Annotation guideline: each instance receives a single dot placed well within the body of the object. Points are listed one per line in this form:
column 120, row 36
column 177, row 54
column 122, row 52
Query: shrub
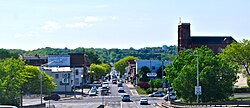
column 143, row 85
column 140, row 90
column 148, row 91
column 248, row 81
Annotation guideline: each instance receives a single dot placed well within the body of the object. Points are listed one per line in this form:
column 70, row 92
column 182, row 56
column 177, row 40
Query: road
column 113, row 100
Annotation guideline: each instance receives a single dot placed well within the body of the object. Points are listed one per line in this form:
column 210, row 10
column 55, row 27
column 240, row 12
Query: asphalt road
column 112, row 100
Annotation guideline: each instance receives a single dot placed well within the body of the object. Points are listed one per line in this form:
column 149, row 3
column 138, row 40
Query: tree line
column 103, row 55
column 17, row 79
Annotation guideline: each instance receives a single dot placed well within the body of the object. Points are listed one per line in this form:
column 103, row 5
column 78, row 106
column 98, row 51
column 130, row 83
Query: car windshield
column 126, row 96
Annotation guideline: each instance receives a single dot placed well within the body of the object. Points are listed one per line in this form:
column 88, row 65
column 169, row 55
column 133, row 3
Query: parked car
column 94, row 88
column 119, row 85
column 143, row 101
column 157, row 94
column 96, row 82
column 54, row 97
column 120, row 89
column 92, row 93
column 125, row 97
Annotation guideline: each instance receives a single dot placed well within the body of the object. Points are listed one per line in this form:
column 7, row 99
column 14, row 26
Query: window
column 56, row 76
column 77, row 72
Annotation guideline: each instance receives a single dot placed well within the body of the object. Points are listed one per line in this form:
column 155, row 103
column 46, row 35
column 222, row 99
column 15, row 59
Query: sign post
column 197, row 90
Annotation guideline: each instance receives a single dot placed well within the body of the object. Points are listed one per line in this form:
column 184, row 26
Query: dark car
column 119, row 85
column 54, row 97
column 125, row 98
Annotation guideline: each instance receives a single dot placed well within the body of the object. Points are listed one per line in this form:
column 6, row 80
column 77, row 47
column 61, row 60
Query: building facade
column 186, row 41
column 134, row 66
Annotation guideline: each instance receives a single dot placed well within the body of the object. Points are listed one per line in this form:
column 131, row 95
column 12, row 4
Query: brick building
column 186, row 41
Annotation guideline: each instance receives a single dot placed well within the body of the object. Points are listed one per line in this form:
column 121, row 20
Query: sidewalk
column 132, row 89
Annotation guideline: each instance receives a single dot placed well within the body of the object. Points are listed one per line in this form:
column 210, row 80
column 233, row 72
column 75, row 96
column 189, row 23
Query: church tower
column 183, row 36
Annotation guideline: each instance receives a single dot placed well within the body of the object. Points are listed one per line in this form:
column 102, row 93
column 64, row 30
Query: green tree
column 12, row 77
column 6, row 54
column 157, row 83
column 159, row 72
column 33, row 81
column 97, row 71
column 239, row 53
column 106, row 67
column 143, row 74
column 151, row 83
column 121, row 64
column 248, row 81
column 217, row 76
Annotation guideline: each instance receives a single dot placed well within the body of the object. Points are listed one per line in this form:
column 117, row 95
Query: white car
column 120, row 89
column 143, row 101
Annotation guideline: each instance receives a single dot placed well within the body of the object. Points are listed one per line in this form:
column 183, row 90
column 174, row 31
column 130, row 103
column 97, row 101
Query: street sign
column 197, row 90
column 151, row 74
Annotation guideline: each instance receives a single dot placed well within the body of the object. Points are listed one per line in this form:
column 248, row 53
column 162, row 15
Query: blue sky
column 32, row 24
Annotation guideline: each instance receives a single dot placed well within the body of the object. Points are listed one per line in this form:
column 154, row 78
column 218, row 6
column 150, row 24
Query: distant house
column 215, row 43
column 34, row 60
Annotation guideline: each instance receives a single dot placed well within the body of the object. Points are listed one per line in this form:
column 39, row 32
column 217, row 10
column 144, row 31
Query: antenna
column 179, row 20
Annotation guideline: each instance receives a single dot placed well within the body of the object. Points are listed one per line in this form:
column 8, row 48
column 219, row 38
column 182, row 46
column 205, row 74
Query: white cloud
column 79, row 25
column 24, row 35
column 87, row 22
column 51, row 26
column 113, row 17
column 91, row 19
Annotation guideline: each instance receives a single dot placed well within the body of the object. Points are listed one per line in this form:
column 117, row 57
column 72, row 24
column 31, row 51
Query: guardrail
column 211, row 104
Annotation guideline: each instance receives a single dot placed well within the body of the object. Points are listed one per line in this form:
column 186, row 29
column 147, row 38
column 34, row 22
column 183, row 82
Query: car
column 105, row 84
column 119, row 85
column 96, row 82
column 54, row 97
column 143, row 101
column 125, row 97
column 94, row 88
column 114, row 81
column 157, row 94
column 120, row 89
column 92, row 93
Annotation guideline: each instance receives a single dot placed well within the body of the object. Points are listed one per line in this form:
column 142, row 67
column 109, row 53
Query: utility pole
column 41, row 87
column 162, row 75
column 84, row 71
column 198, row 77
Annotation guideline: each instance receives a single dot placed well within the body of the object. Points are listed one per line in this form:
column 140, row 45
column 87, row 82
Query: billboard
column 58, row 60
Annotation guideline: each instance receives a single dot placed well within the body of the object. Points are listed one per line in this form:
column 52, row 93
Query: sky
column 32, row 24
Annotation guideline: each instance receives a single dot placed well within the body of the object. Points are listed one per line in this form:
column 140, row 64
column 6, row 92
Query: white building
column 62, row 78
column 153, row 65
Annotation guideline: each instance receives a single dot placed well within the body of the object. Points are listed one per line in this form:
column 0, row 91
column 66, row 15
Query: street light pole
column 41, row 87
column 162, row 75
column 197, row 76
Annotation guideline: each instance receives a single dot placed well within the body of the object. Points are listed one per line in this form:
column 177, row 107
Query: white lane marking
column 121, row 104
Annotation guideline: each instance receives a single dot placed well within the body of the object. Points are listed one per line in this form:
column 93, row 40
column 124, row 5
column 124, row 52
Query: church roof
column 212, row 39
